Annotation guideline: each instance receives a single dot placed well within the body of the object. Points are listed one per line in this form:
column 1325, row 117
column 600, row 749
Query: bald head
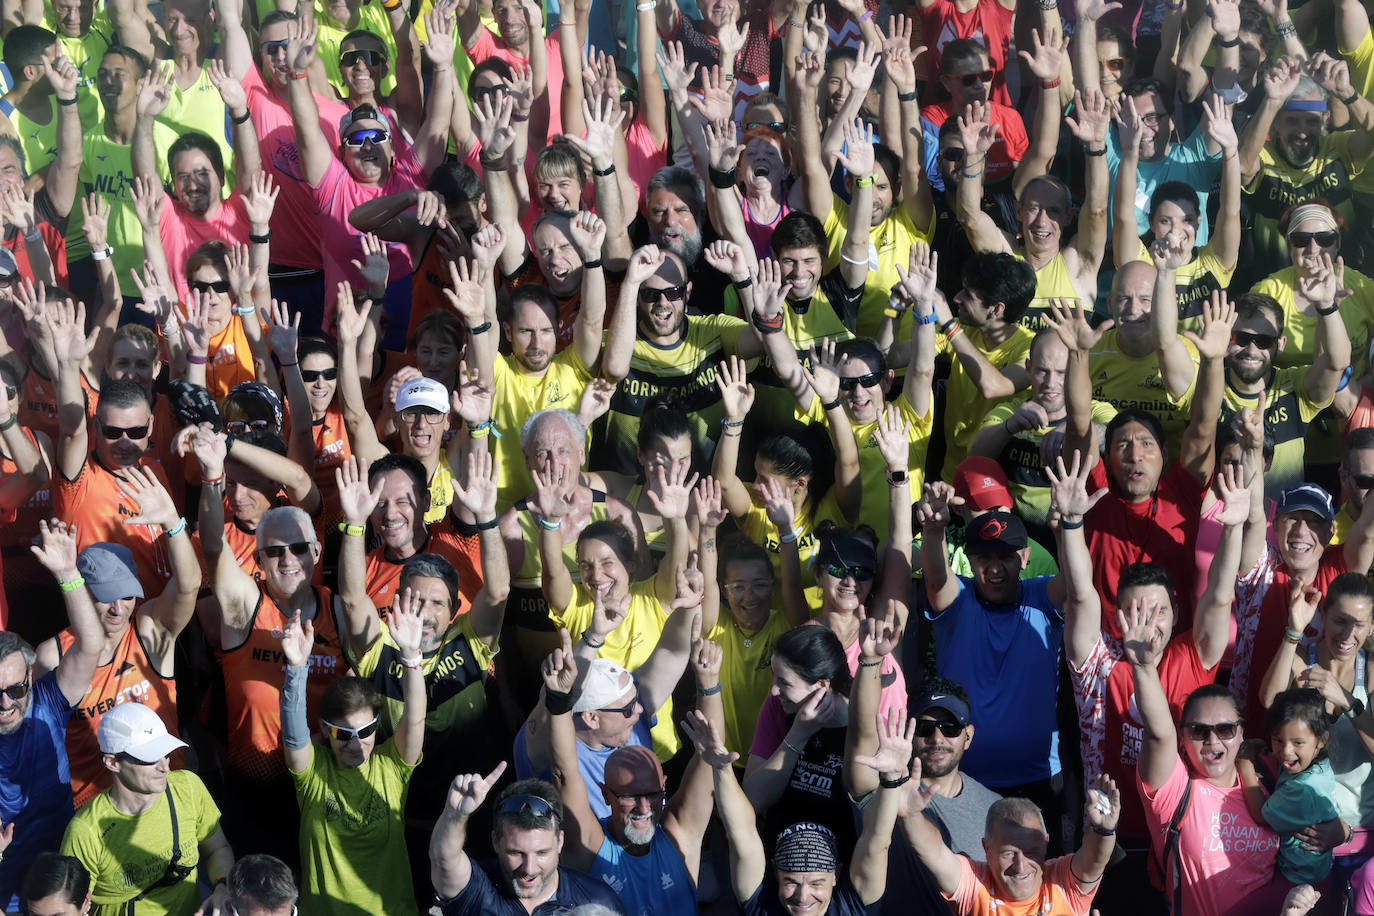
column 1131, row 299
column 633, row 769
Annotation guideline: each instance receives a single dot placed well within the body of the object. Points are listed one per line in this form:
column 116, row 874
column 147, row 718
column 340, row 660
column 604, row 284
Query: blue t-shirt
column 482, row 896
column 35, row 783
column 591, row 762
column 654, row 884
column 1188, row 162
column 1007, row 658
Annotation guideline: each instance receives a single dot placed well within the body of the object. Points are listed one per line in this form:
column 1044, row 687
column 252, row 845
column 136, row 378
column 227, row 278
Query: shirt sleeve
column 770, row 730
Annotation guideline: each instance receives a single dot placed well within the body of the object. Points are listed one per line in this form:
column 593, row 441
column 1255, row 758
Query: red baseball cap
column 982, row 484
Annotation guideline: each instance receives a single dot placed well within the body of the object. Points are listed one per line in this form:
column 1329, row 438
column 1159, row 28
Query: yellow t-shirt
column 1195, row 283
column 747, row 675
column 756, row 526
column 85, row 54
column 1278, row 186
column 889, row 245
column 39, row 140
column 516, row 397
column 1287, row 414
column 1361, row 60
column 440, row 491
column 200, row 108
column 372, row 18
column 1126, row 382
column 1357, row 312
column 965, row 407
column 1023, row 463
column 630, row 645
column 1053, row 281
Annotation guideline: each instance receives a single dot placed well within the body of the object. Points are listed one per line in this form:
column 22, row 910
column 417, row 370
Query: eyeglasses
column 925, row 728
column 531, row 805
column 1325, row 239
column 857, row 573
column 205, row 286
column 850, row 382
column 367, row 55
column 115, row 433
column 1152, row 118
column 629, row 798
column 481, row 92
column 1261, row 341
column 775, row 126
column 239, row 427
column 297, row 548
column 973, row 79
column 1363, row 481
column 627, row 710
column 429, row 417
column 314, row 375
column 1225, row 731
column 648, row 295
column 342, row 733
column 1115, row 64
column 16, row 691
column 377, row 135
column 269, row 47
column 953, row 154
column 761, row 586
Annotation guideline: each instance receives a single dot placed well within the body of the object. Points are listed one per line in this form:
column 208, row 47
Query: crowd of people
column 686, row 455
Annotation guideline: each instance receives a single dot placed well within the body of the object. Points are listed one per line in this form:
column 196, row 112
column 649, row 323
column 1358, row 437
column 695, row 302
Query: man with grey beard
column 675, row 203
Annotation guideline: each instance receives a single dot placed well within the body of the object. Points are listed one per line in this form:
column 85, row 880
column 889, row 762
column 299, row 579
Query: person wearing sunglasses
column 1110, row 732
column 56, row 886
column 1356, row 477
column 358, row 55
column 352, row 785
column 967, row 76
column 315, row 359
column 261, row 885
column 34, row 712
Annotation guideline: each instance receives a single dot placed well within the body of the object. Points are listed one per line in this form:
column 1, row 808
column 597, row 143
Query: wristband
column 908, row 96
column 547, row 526
column 1291, row 635
column 482, row 328
column 298, row 74
column 222, row 880
column 710, row 691
column 723, row 179
column 644, row 7
column 967, row 174
column 71, row 585
column 108, row 252
column 731, row 424
column 870, row 663
column 70, row 101
column 742, row 284
column 831, row 405
column 865, row 182
column 602, row 173
column 948, row 327
column 260, row 239
column 1104, row 831
column 1066, row 525
column 1333, row 309
column 196, row 360
column 591, row 265
column 789, row 538
column 794, row 23
column 1050, row 84
column 1089, row 151
column 390, row 5
column 489, row 524
column 927, row 319
column 287, row 365
column 594, row 645
column 865, row 16
column 245, row 311
column 34, row 236
column 1286, row 29
column 8, row 424
column 355, row 531
column 243, row 120
column 557, row 703
column 212, row 481
column 766, row 325
column 1228, row 42
column 1347, row 101
column 178, row 528
column 893, row 783
column 519, row 119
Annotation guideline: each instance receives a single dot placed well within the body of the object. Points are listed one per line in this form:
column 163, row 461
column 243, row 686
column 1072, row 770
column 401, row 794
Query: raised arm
column 311, row 141
column 1090, row 123
column 1071, row 325
column 235, row 591
column 857, row 160
column 815, row 176
column 31, row 471
column 1175, row 363
column 899, row 64
column 71, row 345
column 1197, row 453
column 892, row 763
column 352, row 323
column 604, row 116
column 247, row 157
column 1082, row 606
column 56, row 550
column 582, row 833
column 824, row 379
column 933, row 514
column 1278, row 81
column 923, row 836
column 62, row 178
column 747, row 857
column 737, row 397
column 154, row 92
column 1333, row 75
column 1212, row 619
column 1102, row 810
column 1331, row 354
column 552, row 499
column 356, row 500
column 878, row 636
column 1303, row 602
column 1226, row 229
column 235, row 49
column 406, row 622
column 170, row 611
column 1043, row 61
column 1143, row 647
column 298, row 639
column 431, row 143
column 450, row 869
column 978, row 135
column 477, row 494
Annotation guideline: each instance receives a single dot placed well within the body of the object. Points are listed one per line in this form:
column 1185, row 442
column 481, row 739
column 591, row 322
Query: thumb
column 1107, row 325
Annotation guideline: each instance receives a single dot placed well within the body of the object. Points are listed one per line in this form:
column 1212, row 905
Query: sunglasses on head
column 850, row 382
column 115, row 433
column 342, row 733
column 1325, row 238
column 312, row 375
column 1115, row 64
column 775, row 126
column 1225, row 731
column 239, row 427
column 973, row 79
column 377, row 135
column 530, row 805
column 298, row 548
column 16, row 691
column 857, row 573
column 1363, row 481
column 953, row 154
column 1261, row 341
column 208, row 286
column 925, row 728
column 367, row 55
column 648, row 295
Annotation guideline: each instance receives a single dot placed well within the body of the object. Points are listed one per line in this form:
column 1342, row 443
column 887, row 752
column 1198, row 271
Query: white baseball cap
column 604, row 683
column 422, row 392
column 134, row 729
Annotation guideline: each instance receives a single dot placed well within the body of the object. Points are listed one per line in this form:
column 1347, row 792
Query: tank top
column 332, row 449
column 38, row 507
column 654, row 884
column 1350, row 760
column 526, row 592
column 253, row 676
column 128, row 677
column 1053, row 281
column 426, row 284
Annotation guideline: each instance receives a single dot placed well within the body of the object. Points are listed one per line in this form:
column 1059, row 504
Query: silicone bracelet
column 71, row 585
column 355, row 531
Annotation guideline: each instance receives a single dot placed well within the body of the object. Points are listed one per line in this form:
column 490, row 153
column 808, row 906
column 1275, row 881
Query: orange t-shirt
column 253, row 675
column 128, row 677
column 463, row 551
column 38, row 402
column 427, row 284
column 229, row 359
column 22, row 527
column 332, row 449
column 98, row 507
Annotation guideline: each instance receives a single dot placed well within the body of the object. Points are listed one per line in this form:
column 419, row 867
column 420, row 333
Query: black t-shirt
column 484, row 897
column 815, row 792
column 844, row 901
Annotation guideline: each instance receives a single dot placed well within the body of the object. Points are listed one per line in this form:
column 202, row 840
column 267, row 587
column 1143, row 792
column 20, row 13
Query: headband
column 1319, row 212
column 1304, row 105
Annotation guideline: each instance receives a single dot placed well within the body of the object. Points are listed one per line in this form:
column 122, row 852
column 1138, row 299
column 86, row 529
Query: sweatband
column 295, row 730
column 1319, row 212
column 1304, row 105
column 805, row 847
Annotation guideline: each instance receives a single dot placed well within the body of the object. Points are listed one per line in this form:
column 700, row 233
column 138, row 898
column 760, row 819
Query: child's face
column 1295, row 746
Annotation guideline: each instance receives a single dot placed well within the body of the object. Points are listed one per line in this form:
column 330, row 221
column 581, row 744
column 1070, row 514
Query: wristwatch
column 1356, row 709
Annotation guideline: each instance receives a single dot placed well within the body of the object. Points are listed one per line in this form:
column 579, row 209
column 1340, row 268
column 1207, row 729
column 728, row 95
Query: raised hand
column 553, row 496
column 857, row 156
column 644, row 263
column 1217, row 121
column 608, row 613
column 596, row 400
column 717, row 100
column 691, row 589
column 1094, row 9
column 1128, row 125
column 1235, row 496
column 471, row 400
column 1140, row 640
column 918, row 281
column 374, row 267
column 1332, row 74
column 879, row 636
column 478, row 494
column 240, row 272
column 769, row 296
column 777, row 504
column 148, row 197
column 1070, row 323
column 350, row 317
column 559, row 668
column 261, row 198
column 810, row 71
column 1046, row 53
column 95, row 215
column 67, row 324
column 466, row 292
column 439, row 46
column 62, row 75
column 155, row 506
column 934, row 510
column 1225, row 16
column 709, row 503
column 493, row 126
column 1092, row 117
column 195, row 323
column 864, row 69
column 824, row 374
column 300, row 42
column 672, row 493
column 356, row 498
column 1281, row 78
column 1069, row 494
column 56, row 548
column 604, row 117
column 1103, row 803
column 297, row 639
column 677, row 73
column 728, row 258
column 208, row 445
column 588, row 232
column 976, row 132
column 230, row 89
column 736, row 394
column 1171, row 251
column 710, row 747
column 1303, row 601
column 283, row 331
column 896, row 734
column 406, row 621
column 722, row 148
column 468, row 790
column 893, row 437
column 487, row 245
column 154, row 91
column 1218, row 318
column 18, row 206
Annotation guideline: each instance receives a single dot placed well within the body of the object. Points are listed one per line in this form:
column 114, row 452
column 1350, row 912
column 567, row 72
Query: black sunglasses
column 531, row 805
column 16, row 691
column 778, row 127
column 850, row 382
column 1363, row 481
column 628, row 95
column 973, row 79
column 953, row 154
column 206, row 286
column 857, row 573
column 368, row 56
column 115, row 433
column 1225, row 731
column 298, row 548
column 653, row 797
column 311, row 375
column 377, row 135
column 1245, row 338
column 1325, row 239
column 239, row 427
column 269, row 46
column 925, row 728
column 649, row 296
column 343, row 733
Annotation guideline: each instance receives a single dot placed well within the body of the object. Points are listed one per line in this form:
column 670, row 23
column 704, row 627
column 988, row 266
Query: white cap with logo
column 134, row 729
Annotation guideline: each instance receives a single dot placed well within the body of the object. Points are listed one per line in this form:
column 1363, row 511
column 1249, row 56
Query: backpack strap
column 175, row 873
column 1173, row 859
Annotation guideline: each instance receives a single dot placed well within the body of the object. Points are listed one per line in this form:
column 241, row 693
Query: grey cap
column 8, row 265
column 109, row 572
column 362, row 113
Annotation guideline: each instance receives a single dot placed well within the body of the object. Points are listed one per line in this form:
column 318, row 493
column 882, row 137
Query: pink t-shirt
column 182, row 233
column 644, row 158
column 894, row 682
column 296, row 232
column 489, row 44
column 1226, row 858
column 335, row 197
